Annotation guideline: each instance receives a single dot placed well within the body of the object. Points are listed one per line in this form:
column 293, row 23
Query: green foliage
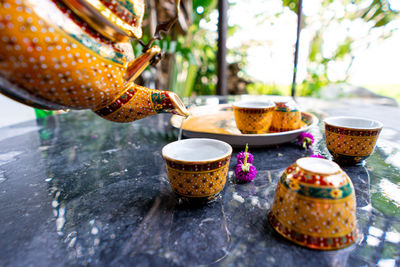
column 343, row 49
column 389, row 90
column 203, row 45
column 377, row 14
column 184, row 74
column 378, row 11
column 315, row 47
column 313, row 83
column 207, row 5
column 292, row 4
column 195, row 68
column 259, row 88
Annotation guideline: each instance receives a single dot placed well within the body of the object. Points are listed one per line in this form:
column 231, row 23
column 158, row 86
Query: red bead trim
column 344, row 131
column 121, row 12
column 83, row 25
column 315, row 179
column 324, row 243
column 117, row 104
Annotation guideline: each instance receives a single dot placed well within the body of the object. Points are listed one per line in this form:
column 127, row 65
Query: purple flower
column 305, row 140
column 317, row 156
column 245, row 172
column 240, row 157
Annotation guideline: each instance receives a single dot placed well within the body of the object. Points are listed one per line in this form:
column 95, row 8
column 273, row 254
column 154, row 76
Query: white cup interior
column 318, row 165
column 197, row 150
column 353, row 122
column 253, row 104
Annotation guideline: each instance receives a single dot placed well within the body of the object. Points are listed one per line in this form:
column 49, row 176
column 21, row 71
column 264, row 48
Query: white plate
column 217, row 122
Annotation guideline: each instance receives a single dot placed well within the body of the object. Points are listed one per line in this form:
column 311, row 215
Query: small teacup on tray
column 314, row 205
column 350, row 139
column 197, row 168
column 253, row 117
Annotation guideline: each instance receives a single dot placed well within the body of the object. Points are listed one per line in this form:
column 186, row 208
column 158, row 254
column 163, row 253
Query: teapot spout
column 168, row 102
column 137, row 102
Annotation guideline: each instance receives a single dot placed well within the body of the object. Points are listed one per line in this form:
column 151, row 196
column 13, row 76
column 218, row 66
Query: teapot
column 76, row 54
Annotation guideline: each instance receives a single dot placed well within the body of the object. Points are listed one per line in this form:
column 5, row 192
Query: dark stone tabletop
column 78, row 190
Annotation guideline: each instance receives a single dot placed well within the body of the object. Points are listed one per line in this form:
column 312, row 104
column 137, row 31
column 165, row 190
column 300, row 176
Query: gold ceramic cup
column 253, row 117
column 350, row 139
column 286, row 117
column 197, row 168
column 315, row 206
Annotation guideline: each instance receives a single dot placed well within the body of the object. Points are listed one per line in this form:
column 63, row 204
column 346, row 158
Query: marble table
column 76, row 190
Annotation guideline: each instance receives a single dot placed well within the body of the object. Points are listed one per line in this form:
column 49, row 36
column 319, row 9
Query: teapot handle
column 139, row 64
column 136, row 102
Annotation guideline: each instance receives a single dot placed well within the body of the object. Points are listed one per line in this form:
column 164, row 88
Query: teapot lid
column 115, row 19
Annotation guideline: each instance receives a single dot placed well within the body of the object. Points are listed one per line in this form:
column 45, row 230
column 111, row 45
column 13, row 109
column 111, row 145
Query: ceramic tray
column 218, row 122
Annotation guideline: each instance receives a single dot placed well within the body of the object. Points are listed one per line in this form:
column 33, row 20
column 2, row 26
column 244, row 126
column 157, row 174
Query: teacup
column 286, row 117
column 197, row 168
column 351, row 139
column 314, row 205
column 253, row 117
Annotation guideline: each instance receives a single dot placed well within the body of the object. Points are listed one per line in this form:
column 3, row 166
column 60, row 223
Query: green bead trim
column 318, row 192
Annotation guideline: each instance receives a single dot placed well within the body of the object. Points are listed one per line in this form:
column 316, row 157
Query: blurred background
column 346, row 48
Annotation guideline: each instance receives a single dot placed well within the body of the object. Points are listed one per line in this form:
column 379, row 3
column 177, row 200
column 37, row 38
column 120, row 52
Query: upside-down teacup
column 314, row 205
column 351, row 139
column 197, row 168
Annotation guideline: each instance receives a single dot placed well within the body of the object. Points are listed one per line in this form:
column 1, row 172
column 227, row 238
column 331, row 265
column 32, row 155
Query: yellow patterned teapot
column 76, row 54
